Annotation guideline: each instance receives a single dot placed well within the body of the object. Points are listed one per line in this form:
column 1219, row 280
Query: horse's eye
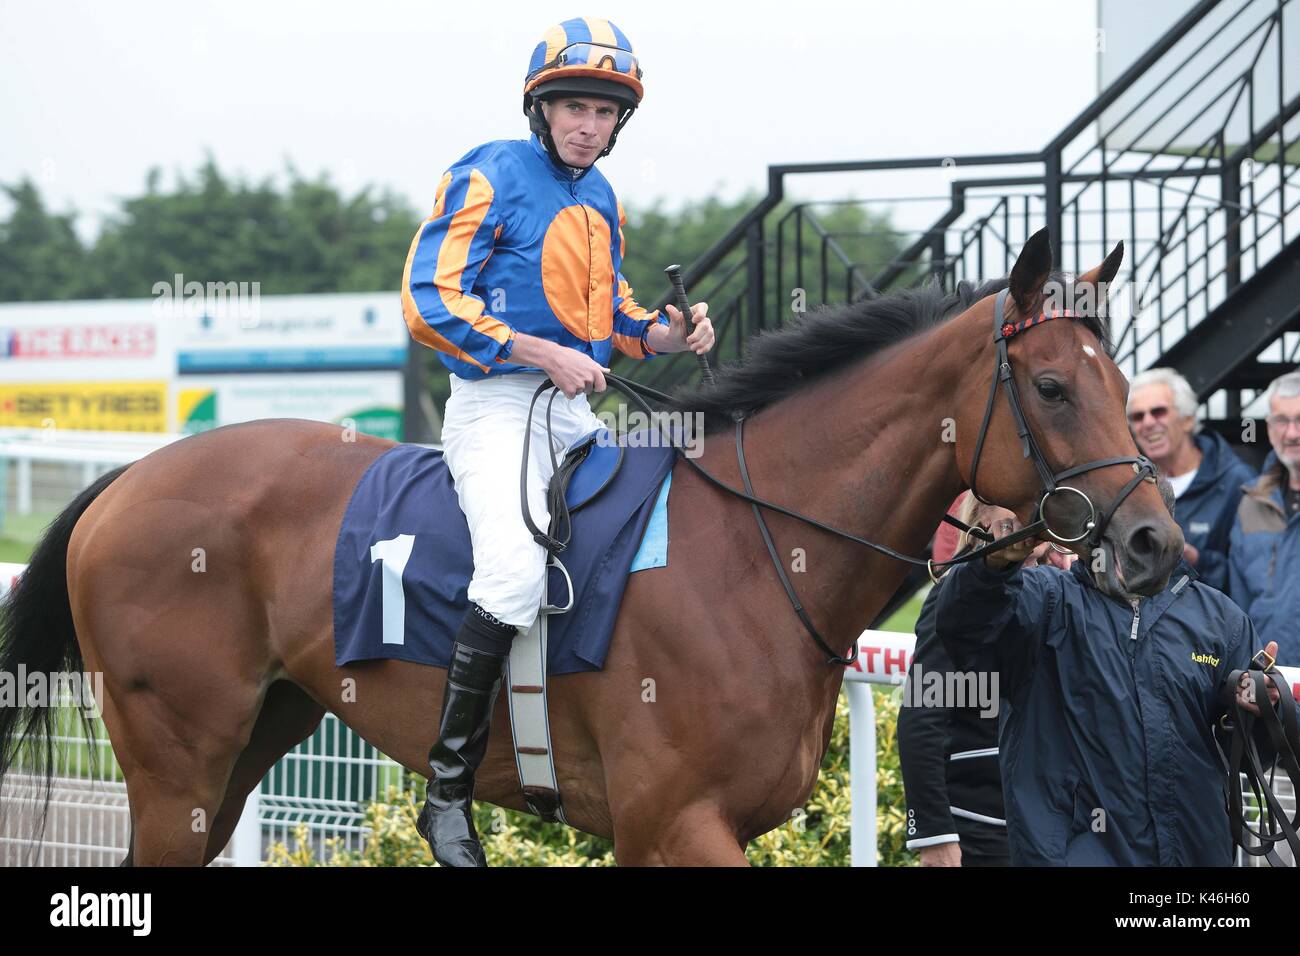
column 1050, row 391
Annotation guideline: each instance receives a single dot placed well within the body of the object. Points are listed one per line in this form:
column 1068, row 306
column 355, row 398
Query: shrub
column 817, row 834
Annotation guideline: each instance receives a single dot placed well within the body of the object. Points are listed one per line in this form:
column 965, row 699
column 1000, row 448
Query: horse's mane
column 777, row 363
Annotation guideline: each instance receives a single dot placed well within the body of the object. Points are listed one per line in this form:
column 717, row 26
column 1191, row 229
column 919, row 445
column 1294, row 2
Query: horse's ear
column 1031, row 270
column 1108, row 269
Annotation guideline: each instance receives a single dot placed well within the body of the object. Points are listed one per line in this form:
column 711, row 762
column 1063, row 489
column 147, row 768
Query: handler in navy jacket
column 1105, row 733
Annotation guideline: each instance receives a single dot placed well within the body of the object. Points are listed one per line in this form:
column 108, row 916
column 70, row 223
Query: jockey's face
column 580, row 126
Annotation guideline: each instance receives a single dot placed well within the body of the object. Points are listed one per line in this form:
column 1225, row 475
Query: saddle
column 1282, row 730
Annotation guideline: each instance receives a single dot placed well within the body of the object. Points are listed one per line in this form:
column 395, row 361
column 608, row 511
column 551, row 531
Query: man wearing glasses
column 1264, row 560
column 1206, row 474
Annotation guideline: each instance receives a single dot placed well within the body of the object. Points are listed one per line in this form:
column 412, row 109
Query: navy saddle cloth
column 402, row 563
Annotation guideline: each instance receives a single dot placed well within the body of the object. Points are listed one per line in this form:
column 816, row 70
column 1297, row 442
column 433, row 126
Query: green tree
column 40, row 254
column 307, row 237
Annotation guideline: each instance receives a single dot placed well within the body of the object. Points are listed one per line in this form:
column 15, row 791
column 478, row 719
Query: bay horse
column 863, row 417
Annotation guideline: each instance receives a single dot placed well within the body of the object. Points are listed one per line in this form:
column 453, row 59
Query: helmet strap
column 613, row 136
column 537, row 124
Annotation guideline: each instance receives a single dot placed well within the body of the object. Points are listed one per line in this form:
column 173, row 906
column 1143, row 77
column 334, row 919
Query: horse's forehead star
column 1089, row 351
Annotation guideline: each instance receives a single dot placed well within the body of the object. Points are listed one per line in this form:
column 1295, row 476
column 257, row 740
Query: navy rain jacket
column 1105, row 732
column 1206, row 510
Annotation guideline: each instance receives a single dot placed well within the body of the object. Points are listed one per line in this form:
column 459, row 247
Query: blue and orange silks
column 517, row 244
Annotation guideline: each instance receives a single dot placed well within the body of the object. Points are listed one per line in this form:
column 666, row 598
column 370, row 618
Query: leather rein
column 1003, row 331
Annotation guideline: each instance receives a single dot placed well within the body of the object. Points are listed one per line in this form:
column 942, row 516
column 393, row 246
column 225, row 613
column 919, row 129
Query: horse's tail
column 37, row 637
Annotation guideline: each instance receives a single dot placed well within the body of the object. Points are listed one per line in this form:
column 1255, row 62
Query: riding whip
column 684, row 306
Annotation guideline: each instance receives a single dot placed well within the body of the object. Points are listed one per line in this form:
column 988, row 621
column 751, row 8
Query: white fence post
column 23, row 478
column 247, row 848
column 862, row 773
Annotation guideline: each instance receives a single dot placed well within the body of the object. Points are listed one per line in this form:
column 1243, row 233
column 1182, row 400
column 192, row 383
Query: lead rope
column 1283, row 731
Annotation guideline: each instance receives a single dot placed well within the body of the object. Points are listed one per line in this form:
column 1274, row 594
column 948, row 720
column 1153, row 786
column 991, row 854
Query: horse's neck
column 864, row 451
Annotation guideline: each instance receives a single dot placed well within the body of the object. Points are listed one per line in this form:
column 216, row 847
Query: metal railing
column 1191, row 156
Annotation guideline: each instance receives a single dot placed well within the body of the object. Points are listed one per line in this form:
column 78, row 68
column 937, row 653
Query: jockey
column 513, row 278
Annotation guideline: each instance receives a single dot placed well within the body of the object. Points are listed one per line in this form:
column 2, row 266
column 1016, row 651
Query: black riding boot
column 473, row 680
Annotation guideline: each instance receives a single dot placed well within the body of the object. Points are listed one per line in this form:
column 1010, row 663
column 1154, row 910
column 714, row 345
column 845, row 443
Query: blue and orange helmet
column 585, row 56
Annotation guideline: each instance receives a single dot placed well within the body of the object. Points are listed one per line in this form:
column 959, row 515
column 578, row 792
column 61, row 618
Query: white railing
column 94, row 452
column 324, row 783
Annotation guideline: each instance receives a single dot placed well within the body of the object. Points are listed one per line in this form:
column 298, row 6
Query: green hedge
column 817, row 837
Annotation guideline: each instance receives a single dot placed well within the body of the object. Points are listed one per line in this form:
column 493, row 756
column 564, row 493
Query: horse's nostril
column 1150, row 547
column 1143, row 542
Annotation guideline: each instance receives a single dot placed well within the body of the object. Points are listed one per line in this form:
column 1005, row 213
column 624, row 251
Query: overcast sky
column 93, row 94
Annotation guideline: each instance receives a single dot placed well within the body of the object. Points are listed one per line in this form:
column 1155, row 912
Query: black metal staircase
column 1191, row 156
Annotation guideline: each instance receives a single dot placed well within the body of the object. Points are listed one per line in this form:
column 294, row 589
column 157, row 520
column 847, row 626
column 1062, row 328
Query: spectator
column 1207, row 476
column 1265, row 550
column 1106, row 739
column 949, row 754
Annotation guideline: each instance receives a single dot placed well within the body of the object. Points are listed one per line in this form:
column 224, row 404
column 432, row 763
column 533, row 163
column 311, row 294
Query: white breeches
column 482, row 443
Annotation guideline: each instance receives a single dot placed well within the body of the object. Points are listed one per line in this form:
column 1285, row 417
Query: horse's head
column 1072, row 397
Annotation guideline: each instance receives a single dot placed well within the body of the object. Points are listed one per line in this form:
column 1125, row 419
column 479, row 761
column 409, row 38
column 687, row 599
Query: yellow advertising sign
column 91, row 406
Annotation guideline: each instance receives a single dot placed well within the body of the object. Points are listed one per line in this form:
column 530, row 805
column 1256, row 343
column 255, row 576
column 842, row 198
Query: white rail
column 94, row 451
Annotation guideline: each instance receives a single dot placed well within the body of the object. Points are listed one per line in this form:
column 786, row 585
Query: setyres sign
column 94, row 366
column 86, row 406
column 187, row 363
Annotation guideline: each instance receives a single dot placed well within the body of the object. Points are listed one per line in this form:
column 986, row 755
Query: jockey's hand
column 575, row 373
column 1246, row 693
column 699, row 341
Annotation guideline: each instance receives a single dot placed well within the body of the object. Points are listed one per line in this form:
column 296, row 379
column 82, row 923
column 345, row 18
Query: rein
column 1003, row 331
column 1282, row 730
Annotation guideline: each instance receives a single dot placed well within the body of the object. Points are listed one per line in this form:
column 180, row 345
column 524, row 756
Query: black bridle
column 1003, row 330
column 1094, row 527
